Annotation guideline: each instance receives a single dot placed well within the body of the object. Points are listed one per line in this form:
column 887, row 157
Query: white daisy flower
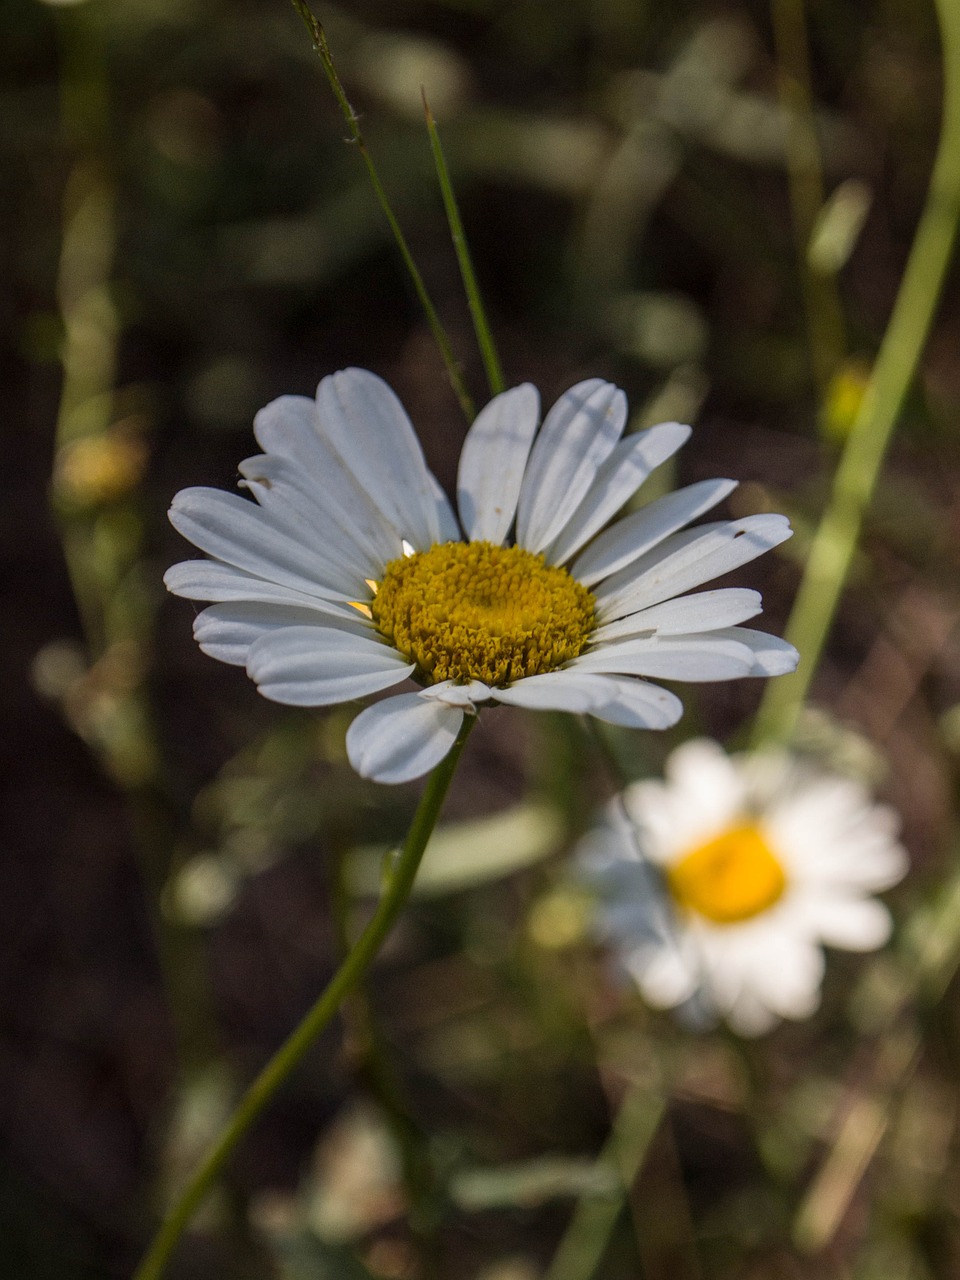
column 350, row 574
column 719, row 886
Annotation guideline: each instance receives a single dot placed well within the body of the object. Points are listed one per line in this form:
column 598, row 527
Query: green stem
column 805, row 176
column 292, row 1051
column 856, row 477
column 585, row 1240
column 322, row 48
column 488, row 350
column 373, row 1067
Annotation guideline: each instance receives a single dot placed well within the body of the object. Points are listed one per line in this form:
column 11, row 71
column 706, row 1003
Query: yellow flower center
column 475, row 611
column 729, row 879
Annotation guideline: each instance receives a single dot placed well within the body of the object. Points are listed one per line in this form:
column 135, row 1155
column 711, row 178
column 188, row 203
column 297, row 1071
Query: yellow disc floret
column 729, row 879
column 474, row 611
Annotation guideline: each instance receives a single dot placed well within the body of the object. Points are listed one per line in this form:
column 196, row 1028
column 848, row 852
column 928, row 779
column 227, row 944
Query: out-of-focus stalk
column 587, row 1236
column 322, row 47
column 805, row 174
column 481, row 326
column 367, row 1052
column 100, row 456
column 836, row 538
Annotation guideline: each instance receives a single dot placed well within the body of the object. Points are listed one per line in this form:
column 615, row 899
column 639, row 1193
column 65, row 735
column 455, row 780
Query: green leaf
column 464, row 854
column 532, row 1183
column 301, row 1256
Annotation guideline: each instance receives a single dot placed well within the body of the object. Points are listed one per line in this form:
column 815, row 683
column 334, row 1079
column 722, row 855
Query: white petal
column 492, row 463
column 289, row 427
column 687, row 615
column 368, row 426
column 871, row 868
column 621, row 917
column 616, row 482
column 458, row 695
column 617, row 701
column 749, row 1017
column 698, row 658
column 855, row 924
column 703, row 794
column 226, row 631
column 402, row 737
column 577, row 436
column 447, row 523
column 554, row 691
column 652, row 811
column 240, row 533
column 722, row 957
column 666, row 977
column 316, row 666
column 855, row 842
column 213, row 580
column 283, row 489
column 606, row 850
column 701, row 758
column 786, row 975
column 819, row 855
column 771, row 655
column 640, row 532
column 688, row 559
column 639, row 705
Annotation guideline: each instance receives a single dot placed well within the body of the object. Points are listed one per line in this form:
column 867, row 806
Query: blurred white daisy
column 351, row 574
column 719, row 886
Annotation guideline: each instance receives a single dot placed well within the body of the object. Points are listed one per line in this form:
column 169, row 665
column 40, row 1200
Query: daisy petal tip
column 674, row 435
column 465, row 696
column 775, row 658
column 179, row 505
column 354, row 380
column 783, row 525
column 751, row 1024
column 194, row 496
column 789, row 661
column 526, row 393
column 401, row 738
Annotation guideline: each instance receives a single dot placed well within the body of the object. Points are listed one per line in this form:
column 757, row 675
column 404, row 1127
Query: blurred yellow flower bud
column 844, row 397
column 98, row 469
column 560, row 919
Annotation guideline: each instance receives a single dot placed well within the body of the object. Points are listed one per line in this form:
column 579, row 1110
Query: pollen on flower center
column 728, row 879
column 476, row 611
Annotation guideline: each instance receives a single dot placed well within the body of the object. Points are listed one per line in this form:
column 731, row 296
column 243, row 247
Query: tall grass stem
column 859, row 468
column 825, row 321
column 322, row 48
column 584, row 1243
column 488, row 350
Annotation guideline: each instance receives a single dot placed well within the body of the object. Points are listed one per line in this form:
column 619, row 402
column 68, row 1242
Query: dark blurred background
column 187, row 234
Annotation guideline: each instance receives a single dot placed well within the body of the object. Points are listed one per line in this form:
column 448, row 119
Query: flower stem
column 488, row 350
column 821, row 299
column 322, row 47
column 587, row 1236
column 292, row 1051
column 859, row 468
column 371, row 1063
